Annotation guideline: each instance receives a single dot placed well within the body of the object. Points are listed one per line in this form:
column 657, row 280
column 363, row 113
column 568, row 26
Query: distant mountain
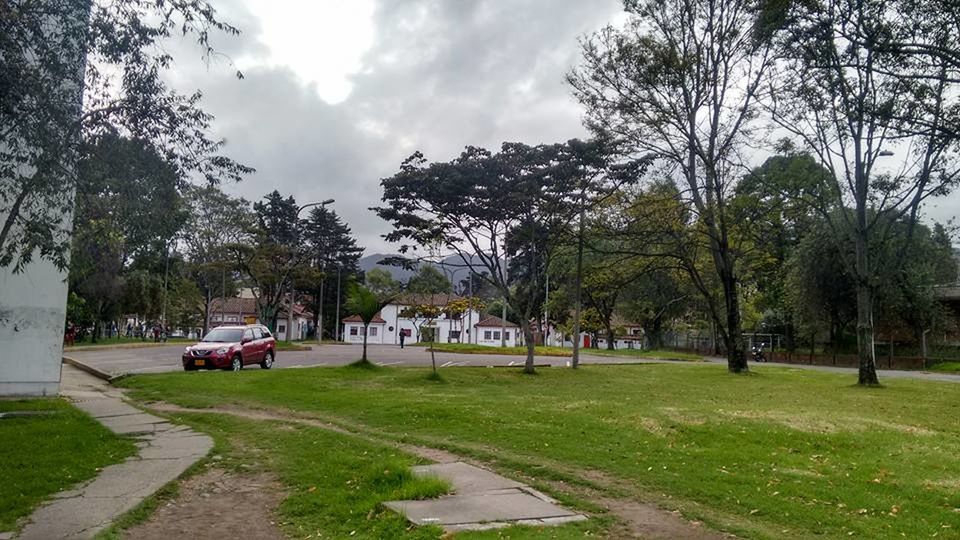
column 452, row 266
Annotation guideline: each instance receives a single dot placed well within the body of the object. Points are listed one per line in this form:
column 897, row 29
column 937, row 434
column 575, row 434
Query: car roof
column 239, row 326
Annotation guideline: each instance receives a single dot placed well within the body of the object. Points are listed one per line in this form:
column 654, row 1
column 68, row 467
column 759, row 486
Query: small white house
column 395, row 319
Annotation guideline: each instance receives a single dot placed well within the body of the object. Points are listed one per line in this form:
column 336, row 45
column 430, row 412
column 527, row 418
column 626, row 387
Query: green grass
column 542, row 350
column 645, row 353
column 335, row 483
column 947, row 367
column 779, row 453
column 41, row 455
column 120, row 340
column 471, row 348
column 293, row 346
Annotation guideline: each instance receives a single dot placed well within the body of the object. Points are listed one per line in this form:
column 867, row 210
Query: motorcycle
column 758, row 355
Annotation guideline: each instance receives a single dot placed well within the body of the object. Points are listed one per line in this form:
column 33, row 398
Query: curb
column 98, row 373
column 118, row 346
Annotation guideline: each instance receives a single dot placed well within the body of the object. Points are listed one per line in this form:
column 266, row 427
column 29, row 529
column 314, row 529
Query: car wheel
column 267, row 360
column 237, row 363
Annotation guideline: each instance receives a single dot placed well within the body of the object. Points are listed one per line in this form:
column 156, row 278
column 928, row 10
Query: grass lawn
column 779, row 453
column 541, row 350
column 947, row 367
column 120, row 340
column 471, row 348
column 41, row 455
column 647, row 353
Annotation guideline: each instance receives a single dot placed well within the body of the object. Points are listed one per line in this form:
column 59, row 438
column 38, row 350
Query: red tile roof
column 494, row 322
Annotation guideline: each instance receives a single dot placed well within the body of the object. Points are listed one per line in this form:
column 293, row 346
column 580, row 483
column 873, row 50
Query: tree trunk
column 528, row 366
column 577, row 309
column 736, row 356
column 610, row 337
column 365, row 328
column 866, row 353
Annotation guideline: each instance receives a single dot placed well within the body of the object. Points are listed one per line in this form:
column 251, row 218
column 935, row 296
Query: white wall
column 494, row 340
column 377, row 331
column 33, row 302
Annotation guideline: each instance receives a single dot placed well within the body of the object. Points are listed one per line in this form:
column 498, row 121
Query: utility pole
column 336, row 321
column 469, row 306
column 320, row 314
column 577, row 303
column 546, row 309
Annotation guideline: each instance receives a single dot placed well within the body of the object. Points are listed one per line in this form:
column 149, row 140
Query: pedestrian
column 129, row 329
column 403, row 334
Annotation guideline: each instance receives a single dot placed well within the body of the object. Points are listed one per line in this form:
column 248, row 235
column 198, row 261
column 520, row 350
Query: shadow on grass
column 435, row 376
column 363, row 364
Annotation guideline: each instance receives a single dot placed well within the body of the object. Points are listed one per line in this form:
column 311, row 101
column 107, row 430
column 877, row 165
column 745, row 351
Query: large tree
column 111, row 53
column 680, row 81
column 335, row 255
column 869, row 87
column 487, row 208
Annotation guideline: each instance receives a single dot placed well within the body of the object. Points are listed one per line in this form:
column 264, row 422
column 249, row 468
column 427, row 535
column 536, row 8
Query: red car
column 232, row 347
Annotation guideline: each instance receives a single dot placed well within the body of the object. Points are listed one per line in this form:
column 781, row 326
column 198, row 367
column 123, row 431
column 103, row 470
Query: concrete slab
column 482, row 500
column 466, row 478
column 166, row 451
column 479, row 508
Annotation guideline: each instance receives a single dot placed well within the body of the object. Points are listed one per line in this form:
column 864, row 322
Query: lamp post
column 293, row 293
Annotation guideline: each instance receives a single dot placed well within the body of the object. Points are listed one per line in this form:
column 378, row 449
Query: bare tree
column 680, row 82
column 869, row 88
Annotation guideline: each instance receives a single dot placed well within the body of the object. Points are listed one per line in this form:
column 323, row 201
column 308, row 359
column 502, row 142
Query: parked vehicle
column 232, row 347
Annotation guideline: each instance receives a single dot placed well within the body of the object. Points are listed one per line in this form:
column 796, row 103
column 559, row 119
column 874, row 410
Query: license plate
column 199, row 362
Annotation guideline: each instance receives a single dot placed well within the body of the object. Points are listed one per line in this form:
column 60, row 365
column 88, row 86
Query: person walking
column 403, row 334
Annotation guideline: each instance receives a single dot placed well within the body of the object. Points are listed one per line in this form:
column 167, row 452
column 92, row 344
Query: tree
column 484, row 208
column 429, row 280
column 128, row 208
column 426, row 313
column 366, row 304
column 111, row 53
column 332, row 248
column 274, row 256
column 381, row 282
column 865, row 81
column 215, row 222
column 680, row 82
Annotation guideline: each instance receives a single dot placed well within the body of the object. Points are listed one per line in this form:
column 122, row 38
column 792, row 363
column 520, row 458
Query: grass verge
column 471, row 348
column 664, row 354
column 785, row 453
column 41, row 455
column 946, row 367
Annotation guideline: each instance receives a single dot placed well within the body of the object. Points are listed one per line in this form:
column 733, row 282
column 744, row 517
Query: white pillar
column 33, row 301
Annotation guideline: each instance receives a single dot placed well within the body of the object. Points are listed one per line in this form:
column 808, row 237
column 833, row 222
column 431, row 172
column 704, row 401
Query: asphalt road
column 167, row 358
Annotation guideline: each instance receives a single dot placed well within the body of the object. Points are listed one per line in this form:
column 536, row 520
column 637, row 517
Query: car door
column 249, row 347
column 261, row 343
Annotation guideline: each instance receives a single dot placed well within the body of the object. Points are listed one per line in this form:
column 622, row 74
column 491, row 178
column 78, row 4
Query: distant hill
column 452, row 267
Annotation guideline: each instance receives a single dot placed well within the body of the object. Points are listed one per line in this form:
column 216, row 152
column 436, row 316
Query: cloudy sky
column 336, row 93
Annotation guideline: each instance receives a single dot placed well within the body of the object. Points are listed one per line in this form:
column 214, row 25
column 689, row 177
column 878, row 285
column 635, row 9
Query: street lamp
column 293, row 293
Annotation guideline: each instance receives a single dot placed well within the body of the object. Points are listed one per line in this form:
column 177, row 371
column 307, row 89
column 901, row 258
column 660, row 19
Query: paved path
column 166, row 451
column 481, row 500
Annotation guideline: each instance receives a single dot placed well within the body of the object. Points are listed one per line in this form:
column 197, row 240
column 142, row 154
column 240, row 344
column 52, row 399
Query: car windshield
column 223, row 335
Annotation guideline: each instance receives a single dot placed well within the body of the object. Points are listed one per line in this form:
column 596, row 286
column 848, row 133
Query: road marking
column 388, row 363
column 510, row 364
column 445, row 364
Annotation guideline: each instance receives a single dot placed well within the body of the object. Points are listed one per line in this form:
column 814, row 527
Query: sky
column 336, row 93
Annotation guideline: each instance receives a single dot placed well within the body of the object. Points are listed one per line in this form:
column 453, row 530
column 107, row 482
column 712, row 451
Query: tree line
column 856, row 99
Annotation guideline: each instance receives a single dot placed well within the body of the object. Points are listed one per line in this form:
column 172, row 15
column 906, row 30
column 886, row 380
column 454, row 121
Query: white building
column 394, row 319
column 243, row 310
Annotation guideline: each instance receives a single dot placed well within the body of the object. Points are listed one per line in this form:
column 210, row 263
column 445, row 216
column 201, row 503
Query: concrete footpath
column 481, row 500
column 166, row 451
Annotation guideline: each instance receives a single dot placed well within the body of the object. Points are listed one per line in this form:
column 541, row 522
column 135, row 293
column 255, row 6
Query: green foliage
column 382, row 283
column 429, row 280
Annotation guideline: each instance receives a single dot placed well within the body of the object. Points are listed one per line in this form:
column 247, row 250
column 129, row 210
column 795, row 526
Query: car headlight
column 223, row 350
column 187, row 350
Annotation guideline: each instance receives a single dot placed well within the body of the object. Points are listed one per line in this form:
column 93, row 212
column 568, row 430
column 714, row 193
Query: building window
column 231, row 318
column 281, row 328
column 496, row 334
column 373, row 330
column 215, row 318
column 506, row 336
column 406, row 332
column 486, row 335
column 353, row 330
column 454, row 334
